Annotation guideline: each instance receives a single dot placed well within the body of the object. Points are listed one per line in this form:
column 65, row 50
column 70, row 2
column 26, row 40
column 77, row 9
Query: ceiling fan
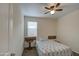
column 52, row 9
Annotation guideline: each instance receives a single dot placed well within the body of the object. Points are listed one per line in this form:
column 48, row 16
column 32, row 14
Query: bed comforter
column 52, row 48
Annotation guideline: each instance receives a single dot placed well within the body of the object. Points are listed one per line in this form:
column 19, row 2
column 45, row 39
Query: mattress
column 52, row 48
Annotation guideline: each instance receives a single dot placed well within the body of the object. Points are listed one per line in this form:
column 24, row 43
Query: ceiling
column 38, row 10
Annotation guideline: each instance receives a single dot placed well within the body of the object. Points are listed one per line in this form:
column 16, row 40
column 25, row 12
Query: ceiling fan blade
column 59, row 9
column 57, row 4
column 47, row 8
column 47, row 12
column 52, row 7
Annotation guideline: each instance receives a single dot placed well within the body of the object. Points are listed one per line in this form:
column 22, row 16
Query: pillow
column 42, row 39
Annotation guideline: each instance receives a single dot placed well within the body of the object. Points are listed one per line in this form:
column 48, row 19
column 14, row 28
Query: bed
column 52, row 48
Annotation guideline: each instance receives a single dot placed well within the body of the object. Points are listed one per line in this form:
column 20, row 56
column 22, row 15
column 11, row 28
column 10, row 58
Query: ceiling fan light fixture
column 52, row 12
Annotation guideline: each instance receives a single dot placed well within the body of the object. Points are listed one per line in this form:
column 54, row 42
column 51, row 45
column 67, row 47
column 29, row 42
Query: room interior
column 58, row 24
column 57, row 28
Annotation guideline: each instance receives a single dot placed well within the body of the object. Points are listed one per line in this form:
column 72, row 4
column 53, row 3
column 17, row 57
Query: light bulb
column 52, row 12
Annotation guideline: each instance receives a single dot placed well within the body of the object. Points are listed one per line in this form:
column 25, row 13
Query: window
column 32, row 28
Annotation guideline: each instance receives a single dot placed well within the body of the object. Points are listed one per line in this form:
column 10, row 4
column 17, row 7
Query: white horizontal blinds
column 31, row 28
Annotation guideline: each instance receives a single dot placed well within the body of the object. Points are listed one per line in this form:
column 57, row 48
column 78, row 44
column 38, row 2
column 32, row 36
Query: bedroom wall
column 4, row 27
column 46, row 26
column 68, row 30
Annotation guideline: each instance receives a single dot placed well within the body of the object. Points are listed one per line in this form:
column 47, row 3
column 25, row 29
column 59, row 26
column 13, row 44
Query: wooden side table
column 29, row 40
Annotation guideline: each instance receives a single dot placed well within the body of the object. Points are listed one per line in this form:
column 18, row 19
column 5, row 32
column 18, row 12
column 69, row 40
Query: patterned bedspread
column 52, row 48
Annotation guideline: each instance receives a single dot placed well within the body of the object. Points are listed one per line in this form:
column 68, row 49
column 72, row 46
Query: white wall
column 4, row 11
column 46, row 26
column 68, row 30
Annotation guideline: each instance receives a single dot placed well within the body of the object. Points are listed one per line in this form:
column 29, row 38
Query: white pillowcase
column 42, row 39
